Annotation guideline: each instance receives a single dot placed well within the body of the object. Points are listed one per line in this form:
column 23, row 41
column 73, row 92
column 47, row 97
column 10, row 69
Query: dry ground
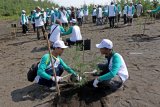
column 141, row 53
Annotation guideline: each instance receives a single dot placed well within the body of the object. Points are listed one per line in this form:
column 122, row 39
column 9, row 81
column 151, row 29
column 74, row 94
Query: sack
column 32, row 73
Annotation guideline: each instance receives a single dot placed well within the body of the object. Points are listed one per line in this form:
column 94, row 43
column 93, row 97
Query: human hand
column 78, row 78
column 95, row 83
column 58, row 78
column 149, row 11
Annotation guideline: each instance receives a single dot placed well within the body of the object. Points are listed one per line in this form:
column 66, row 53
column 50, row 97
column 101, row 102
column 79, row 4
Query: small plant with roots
column 83, row 68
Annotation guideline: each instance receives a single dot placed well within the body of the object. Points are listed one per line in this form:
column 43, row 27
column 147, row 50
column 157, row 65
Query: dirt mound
column 72, row 96
column 144, row 38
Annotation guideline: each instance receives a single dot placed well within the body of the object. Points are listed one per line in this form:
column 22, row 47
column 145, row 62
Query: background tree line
column 14, row 7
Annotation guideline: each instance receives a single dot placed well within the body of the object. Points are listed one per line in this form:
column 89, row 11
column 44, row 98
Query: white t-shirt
column 76, row 34
column 130, row 11
column 39, row 21
column 63, row 17
column 94, row 12
column 125, row 10
column 55, row 35
column 99, row 12
column 111, row 9
column 123, row 71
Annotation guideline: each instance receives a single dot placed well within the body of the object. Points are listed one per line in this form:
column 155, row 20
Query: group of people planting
column 111, row 75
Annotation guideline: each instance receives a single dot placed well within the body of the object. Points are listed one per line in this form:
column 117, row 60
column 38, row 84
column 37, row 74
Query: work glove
column 95, row 83
column 78, row 78
column 58, row 78
column 148, row 11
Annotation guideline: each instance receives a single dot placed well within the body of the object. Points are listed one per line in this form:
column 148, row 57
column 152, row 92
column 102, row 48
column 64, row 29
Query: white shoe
column 53, row 88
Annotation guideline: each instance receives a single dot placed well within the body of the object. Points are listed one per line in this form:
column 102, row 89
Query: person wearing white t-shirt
column 85, row 13
column 111, row 14
column 24, row 22
column 130, row 13
column 125, row 13
column 75, row 33
column 44, row 18
column 94, row 15
column 63, row 17
column 55, row 32
column 113, row 73
column 99, row 15
column 39, row 22
column 79, row 16
column 139, row 9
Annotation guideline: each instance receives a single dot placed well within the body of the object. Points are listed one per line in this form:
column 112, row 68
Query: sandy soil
column 141, row 53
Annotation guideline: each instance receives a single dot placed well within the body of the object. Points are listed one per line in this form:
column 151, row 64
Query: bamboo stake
column 54, row 72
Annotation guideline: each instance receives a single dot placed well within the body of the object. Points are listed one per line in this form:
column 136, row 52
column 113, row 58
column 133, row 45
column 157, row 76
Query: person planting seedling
column 114, row 73
column 45, row 72
column 154, row 11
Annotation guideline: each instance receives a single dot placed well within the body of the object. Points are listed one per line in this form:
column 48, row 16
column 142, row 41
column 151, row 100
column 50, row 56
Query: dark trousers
column 99, row 21
column 114, row 83
column 125, row 18
column 34, row 28
column 38, row 33
column 129, row 19
column 49, row 83
column 79, row 21
column 94, row 19
column 117, row 18
column 24, row 28
column 111, row 21
column 69, row 42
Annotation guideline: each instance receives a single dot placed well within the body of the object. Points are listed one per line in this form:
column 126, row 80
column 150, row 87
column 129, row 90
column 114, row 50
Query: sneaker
column 53, row 88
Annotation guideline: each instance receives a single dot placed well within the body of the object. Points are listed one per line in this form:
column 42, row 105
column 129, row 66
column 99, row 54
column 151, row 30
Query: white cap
column 23, row 11
column 59, row 44
column 105, row 43
column 131, row 2
column 42, row 9
column 73, row 21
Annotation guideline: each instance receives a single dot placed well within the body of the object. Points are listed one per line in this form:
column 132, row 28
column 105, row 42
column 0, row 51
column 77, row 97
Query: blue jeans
column 49, row 83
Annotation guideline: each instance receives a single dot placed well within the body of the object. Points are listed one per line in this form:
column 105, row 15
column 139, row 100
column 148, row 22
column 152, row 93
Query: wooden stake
column 54, row 72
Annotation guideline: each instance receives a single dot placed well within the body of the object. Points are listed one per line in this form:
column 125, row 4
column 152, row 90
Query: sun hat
column 38, row 8
column 73, row 21
column 105, row 43
column 59, row 44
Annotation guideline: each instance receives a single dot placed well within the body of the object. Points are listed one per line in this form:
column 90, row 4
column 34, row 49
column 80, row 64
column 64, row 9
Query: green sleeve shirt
column 156, row 10
column 116, row 64
column 43, row 66
column 62, row 29
column 66, row 67
column 45, row 61
column 69, row 31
